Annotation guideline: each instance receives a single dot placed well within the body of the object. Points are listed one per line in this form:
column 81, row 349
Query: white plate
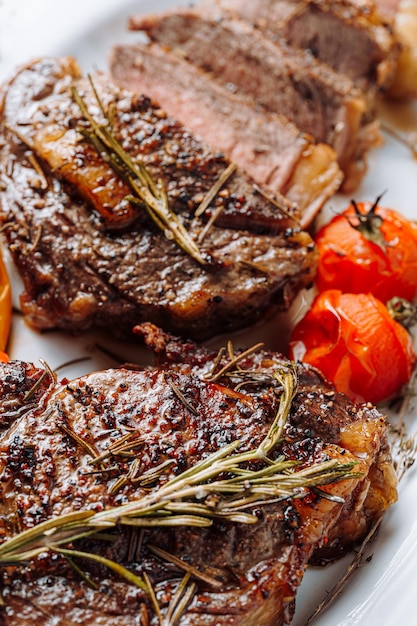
column 384, row 590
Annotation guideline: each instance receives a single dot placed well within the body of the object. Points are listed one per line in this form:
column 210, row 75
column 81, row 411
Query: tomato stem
column 402, row 311
column 369, row 224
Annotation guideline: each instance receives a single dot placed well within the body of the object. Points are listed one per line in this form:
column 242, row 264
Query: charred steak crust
column 45, row 472
column 78, row 272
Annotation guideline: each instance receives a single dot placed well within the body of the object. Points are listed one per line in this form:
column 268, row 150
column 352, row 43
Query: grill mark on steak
column 259, row 566
column 77, row 273
column 267, row 146
column 350, row 37
column 278, row 78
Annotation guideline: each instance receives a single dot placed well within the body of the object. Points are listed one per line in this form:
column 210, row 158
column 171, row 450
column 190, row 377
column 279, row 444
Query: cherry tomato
column 5, row 309
column 369, row 249
column 356, row 344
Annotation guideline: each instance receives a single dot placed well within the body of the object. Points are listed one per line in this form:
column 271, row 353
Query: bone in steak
column 89, row 257
column 267, row 146
column 350, row 36
column 278, row 78
column 245, row 574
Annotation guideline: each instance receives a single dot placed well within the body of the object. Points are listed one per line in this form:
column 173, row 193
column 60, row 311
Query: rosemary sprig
column 152, row 474
column 214, row 375
column 145, row 190
column 335, row 592
column 220, row 486
column 81, row 573
column 187, row 499
column 35, row 387
column 214, row 216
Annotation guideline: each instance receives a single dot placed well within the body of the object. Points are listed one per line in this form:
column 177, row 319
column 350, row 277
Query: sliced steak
column 89, row 257
column 401, row 15
column 267, row 146
column 350, row 36
column 244, row 574
column 278, row 77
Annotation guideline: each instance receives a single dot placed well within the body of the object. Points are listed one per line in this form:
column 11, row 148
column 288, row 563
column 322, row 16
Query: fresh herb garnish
column 182, row 499
column 145, row 190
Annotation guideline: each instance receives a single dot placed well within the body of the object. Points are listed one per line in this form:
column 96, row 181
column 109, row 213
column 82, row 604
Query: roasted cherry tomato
column 369, row 249
column 5, row 309
column 356, row 343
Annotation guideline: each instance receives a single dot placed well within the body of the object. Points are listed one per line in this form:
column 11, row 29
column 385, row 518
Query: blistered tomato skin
column 357, row 345
column 350, row 262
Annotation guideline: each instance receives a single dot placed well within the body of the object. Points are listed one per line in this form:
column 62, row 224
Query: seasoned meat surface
column 352, row 37
column 89, row 256
column 278, row 77
column 265, row 145
column 177, row 413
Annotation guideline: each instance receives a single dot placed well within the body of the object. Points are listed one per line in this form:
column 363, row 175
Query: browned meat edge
column 268, row 147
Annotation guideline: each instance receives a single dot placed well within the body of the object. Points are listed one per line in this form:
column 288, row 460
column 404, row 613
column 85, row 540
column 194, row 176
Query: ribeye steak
column 88, row 256
column 187, row 407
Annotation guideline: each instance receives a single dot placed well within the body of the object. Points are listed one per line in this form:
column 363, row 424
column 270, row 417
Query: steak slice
column 278, row 78
column 89, row 257
column 350, row 36
column 267, row 146
column 401, row 15
column 175, row 413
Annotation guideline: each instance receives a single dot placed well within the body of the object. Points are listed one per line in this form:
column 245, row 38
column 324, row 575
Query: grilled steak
column 349, row 36
column 177, row 413
column 268, row 147
column 401, row 15
column 278, row 78
column 88, row 256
